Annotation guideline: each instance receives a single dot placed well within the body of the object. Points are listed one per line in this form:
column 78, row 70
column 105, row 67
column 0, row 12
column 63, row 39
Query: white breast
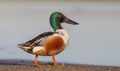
column 64, row 35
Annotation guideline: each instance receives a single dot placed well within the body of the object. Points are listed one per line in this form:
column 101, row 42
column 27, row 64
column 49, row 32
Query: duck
column 49, row 43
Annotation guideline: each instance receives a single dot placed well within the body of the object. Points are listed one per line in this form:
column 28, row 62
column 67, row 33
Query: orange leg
column 36, row 60
column 54, row 60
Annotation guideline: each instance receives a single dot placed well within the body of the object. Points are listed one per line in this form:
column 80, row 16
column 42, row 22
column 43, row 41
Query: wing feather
column 40, row 39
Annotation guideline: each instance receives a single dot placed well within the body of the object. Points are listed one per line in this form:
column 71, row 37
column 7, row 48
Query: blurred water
column 95, row 41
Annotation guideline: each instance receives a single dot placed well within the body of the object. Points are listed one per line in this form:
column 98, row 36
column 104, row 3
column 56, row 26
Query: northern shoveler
column 49, row 43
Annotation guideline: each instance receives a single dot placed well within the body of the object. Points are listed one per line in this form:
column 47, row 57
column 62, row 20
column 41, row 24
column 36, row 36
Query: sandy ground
column 21, row 65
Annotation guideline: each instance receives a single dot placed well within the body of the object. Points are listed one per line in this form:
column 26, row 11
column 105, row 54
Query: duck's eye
column 61, row 19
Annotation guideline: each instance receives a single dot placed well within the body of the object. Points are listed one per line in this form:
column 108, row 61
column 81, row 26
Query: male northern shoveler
column 49, row 43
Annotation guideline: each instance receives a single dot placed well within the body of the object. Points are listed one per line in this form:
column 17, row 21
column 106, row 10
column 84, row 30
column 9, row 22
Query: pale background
column 95, row 41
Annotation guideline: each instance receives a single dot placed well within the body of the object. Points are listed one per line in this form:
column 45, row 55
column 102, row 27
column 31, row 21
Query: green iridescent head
column 57, row 18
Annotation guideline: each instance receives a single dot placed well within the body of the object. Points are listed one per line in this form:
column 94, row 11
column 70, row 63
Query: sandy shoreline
column 22, row 65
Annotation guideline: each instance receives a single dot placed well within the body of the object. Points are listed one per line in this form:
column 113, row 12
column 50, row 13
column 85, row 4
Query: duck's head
column 57, row 18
